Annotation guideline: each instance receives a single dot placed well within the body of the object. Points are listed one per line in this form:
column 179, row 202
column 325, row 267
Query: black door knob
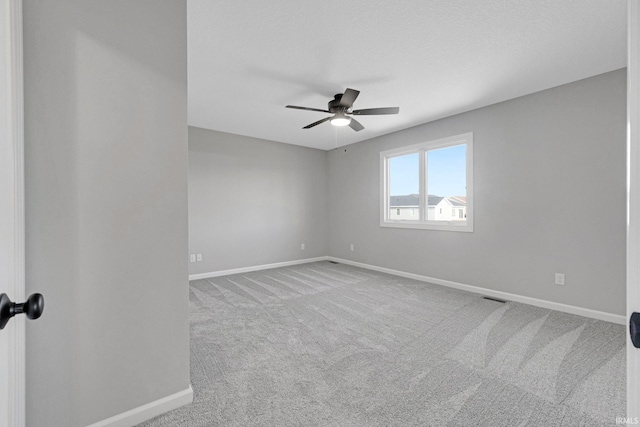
column 32, row 308
column 634, row 329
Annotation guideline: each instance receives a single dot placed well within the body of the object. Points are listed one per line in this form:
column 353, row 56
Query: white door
column 633, row 189
column 11, row 212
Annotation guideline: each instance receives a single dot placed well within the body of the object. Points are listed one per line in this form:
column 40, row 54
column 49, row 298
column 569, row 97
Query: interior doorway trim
column 13, row 51
column 633, row 201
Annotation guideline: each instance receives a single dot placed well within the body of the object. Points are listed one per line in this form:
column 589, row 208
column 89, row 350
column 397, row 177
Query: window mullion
column 424, row 202
column 387, row 189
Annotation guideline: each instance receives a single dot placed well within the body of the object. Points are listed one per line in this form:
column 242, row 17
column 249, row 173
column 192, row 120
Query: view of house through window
column 447, row 183
column 428, row 185
column 404, row 187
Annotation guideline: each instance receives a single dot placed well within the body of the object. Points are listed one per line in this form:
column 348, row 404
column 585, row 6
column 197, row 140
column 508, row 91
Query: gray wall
column 106, row 206
column 549, row 178
column 253, row 202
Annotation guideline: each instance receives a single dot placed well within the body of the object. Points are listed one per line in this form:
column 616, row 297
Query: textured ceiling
column 248, row 59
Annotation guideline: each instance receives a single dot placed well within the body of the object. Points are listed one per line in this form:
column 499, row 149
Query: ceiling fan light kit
column 340, row 107
column 340, row 120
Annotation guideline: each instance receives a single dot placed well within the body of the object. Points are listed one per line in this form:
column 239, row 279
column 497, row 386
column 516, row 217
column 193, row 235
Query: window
column 428, row 177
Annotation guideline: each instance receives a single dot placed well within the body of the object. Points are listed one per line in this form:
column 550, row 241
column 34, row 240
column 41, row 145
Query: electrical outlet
column 302, row 246
column 198, row 257
column 560, row 279
column 352, row 247
column 192, row 258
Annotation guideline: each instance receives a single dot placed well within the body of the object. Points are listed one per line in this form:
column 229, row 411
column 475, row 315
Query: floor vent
column 334, row 262
column 495, row 299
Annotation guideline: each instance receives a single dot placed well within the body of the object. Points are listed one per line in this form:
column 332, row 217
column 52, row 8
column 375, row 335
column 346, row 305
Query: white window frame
column 422, row 149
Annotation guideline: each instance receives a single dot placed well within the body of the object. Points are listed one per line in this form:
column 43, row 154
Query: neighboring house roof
column 434, row 200
column 412, row 200
column 461, row 199
column 455, row 202
column 406, row 200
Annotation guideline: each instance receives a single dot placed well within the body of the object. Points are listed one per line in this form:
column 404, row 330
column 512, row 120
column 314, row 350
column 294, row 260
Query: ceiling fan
column 340, row 107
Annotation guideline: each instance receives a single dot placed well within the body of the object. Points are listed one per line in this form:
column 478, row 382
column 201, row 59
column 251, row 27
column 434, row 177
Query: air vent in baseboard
column 495, row 299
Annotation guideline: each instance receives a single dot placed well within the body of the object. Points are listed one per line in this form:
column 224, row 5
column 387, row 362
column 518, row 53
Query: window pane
column 404, row 187
column 447, row 183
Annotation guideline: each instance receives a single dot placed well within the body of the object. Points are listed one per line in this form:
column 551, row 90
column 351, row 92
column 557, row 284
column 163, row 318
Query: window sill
column 448, row 226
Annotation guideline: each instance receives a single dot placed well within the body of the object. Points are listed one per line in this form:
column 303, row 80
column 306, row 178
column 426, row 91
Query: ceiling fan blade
column 376, row 111
column 306, row 108
column 316, row 123
column 349, row 97
column 355, row 125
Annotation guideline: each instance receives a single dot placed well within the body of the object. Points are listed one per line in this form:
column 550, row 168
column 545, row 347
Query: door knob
column 32, row 307
column 634, row 329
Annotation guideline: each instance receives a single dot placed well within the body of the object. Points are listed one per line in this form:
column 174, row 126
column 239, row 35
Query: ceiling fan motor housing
column 334, row 105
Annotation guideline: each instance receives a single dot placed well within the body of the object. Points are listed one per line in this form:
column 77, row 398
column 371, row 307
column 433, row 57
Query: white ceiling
column 432, row 58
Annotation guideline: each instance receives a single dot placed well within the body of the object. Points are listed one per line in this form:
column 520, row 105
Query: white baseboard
column 594, row 314
column 255, row 268
column 148, row 411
